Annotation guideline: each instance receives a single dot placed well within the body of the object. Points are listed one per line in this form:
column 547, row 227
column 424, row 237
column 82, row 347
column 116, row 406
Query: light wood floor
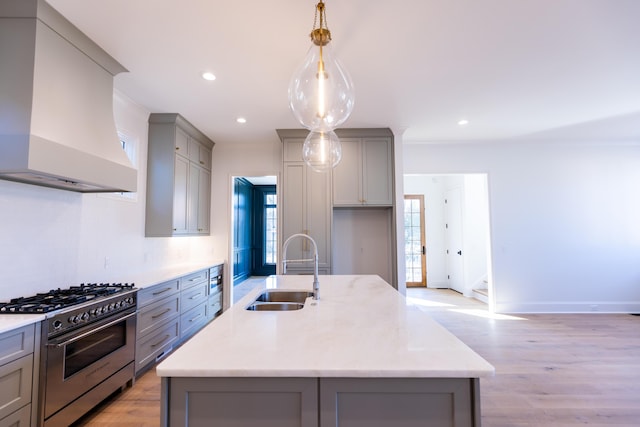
column 558, row 370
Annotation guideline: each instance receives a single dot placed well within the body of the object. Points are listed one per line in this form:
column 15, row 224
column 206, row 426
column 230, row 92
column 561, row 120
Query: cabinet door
column 182, row 142
column 15, row 384
column 266, row 402
column 293, row 207
column 318, row 215
column 347, row 188
column 180, row 195
column 199, row 190
column 307, row 210
column 377, row 172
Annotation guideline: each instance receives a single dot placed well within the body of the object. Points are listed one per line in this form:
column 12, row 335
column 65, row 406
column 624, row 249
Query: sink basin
column 275, row 306
column 279, row 300
column 284, row 296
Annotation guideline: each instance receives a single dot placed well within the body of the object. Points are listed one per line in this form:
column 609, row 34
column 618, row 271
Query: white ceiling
column 513, row 68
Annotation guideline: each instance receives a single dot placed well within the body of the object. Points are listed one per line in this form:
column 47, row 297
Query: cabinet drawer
column 20, row 418
column 214, row 306
column 154, row 314
column 156, row 343
column 16, row 343
column 193, row 296
column 193, row 320
column 15, row 385
column 148, row 295
column 194, row 279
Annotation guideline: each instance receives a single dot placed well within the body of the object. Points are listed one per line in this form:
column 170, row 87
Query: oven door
column 82, row 359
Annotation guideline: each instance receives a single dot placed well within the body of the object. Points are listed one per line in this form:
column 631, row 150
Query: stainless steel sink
column 279, row 300
column 273, row 295
column 275, row 306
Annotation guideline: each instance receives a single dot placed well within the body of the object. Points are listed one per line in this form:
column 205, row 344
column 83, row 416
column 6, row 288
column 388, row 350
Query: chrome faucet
column 285, row 261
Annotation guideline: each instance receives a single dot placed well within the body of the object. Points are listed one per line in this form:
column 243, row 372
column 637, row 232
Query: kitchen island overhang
column 360, row 344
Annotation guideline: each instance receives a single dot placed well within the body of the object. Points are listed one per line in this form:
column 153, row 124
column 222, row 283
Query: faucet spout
column 285, row 261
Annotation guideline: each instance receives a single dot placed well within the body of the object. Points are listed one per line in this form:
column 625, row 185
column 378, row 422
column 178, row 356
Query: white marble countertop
column 10, row 322
column 150, row 278
column 360, row 327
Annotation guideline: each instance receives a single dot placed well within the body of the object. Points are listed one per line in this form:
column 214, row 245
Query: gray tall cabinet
column 363, row 180
column 178, row 178
column 306, row 206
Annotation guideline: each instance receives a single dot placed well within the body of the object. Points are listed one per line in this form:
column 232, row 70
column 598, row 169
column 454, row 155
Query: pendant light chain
column 321, row 97
column 320, row 34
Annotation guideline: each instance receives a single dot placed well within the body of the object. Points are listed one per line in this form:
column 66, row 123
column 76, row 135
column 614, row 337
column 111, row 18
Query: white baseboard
column 568, row 307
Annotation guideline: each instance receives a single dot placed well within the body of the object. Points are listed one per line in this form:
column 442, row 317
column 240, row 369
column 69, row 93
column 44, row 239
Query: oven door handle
column 86, row 334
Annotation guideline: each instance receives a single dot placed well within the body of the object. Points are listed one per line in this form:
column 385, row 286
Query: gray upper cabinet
column 364, row 176
column 178, row 178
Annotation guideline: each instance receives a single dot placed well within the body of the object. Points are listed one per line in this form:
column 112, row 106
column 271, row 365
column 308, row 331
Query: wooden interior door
column 414, row 241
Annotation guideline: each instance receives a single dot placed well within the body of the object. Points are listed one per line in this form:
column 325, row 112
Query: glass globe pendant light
column 321, row 150
column 321, row 94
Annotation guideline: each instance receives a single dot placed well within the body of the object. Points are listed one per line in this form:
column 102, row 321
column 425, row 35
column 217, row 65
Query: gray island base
column 358, row 357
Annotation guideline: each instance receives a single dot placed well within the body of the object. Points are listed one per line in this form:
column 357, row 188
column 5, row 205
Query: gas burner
column 62, row 298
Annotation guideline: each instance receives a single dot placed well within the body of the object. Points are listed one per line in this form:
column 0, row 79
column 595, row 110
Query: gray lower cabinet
column 407, row 402
column 321, row 402
column 172, row 311
column 18, row 351
column 157, row 328
column 246, row 402
column 193, row 302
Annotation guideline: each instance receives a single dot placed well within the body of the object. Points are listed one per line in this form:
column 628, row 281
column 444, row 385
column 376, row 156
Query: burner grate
column 61, row 298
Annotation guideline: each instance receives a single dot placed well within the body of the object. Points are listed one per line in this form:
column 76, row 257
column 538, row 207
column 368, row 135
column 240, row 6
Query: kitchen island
column 358, row 356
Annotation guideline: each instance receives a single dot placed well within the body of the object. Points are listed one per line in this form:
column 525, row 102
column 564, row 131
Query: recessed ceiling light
column 241, row 120
column 208, row 76
column 463, row 122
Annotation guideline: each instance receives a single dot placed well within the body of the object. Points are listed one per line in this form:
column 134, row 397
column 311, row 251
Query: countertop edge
column 10, row 322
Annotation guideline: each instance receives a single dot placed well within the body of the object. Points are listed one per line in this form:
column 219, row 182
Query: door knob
column 459, row 252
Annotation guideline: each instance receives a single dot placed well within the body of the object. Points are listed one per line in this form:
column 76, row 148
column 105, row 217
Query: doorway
column 254, row 227
column 456, row 214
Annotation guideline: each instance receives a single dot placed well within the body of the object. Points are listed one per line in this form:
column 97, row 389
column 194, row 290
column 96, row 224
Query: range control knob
column 85, row 316
column 74, row 319
column 57, row 324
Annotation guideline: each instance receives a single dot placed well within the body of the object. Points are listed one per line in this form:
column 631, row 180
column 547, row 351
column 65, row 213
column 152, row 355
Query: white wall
column 53, row 238
column 564, row 220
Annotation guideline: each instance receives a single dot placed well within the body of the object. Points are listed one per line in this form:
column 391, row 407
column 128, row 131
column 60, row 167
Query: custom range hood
column 56, row 104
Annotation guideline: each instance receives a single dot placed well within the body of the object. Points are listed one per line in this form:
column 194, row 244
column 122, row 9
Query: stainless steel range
column 88, row 346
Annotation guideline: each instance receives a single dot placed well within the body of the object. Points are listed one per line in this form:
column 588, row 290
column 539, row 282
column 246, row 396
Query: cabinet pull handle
column 160, row 342
column 161, row 314
column 194, row 319
column 177, row 148
column 201, row 162
column 161, row 292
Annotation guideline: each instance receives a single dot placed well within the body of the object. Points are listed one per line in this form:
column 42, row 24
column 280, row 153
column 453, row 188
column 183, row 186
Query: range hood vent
column 56, row 104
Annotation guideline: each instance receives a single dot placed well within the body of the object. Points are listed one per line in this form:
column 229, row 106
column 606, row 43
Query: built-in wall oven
column 87, row 347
